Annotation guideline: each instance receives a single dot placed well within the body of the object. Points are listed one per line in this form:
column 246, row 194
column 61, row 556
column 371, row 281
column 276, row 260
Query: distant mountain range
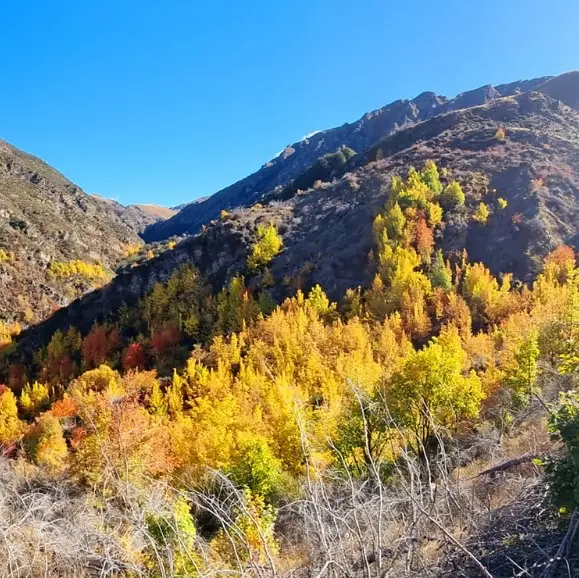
column 296, row 158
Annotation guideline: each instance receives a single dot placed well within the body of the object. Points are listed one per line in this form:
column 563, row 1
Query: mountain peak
column 427, row 99
column 564, row 87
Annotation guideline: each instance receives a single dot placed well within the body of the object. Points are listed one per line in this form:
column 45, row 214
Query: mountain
column 176, row 422
column 523, row 149
column 180, row 207
column 155, row 212
column 295, row 159
column 48, row 223
column 564, row 87
column 136, row 217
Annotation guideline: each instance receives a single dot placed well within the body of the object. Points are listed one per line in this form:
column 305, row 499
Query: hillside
column 47, row 221
column 534, row 168
column 372, row 371
column 327, row 229
column 296, row 158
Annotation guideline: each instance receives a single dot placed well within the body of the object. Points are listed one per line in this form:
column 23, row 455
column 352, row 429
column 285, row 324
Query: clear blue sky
column 161, row 102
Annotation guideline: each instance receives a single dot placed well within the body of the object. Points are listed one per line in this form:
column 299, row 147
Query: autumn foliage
column 188, row 380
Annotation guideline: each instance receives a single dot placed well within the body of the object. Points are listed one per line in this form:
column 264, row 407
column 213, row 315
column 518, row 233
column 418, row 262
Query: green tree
column 563, row 471
column 364, row 434
column 430, row 177
column 348, row 152
column 252, row 538
column 318, row 301
column 434, row 391
column 58, row 359
column 522, row 379
column 174, row 533
column 178, row 302
column 235, row 307
column 453, row 196
column 255, row 466
column 440, row 273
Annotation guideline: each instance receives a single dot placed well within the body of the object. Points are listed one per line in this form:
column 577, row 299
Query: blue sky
column 161, row 102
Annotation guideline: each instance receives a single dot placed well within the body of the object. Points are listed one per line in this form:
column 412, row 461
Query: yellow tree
column 117, row 438
column 431, row 177
column 395, row 222
column 453, row 196
column 268, row 245
column 522, row 378
column 45, row 443
column 11, row 428
column 481, row 214
column 409, row 288
column 34, row 399
column 480, row 289
column 433, row 391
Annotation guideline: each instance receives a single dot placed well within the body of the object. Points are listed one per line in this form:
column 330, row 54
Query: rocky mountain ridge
column 359, row 136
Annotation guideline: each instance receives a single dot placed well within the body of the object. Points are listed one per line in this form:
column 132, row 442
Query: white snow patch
column 311, row 134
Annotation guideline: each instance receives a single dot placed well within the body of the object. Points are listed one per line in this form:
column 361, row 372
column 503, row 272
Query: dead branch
column 525, row 458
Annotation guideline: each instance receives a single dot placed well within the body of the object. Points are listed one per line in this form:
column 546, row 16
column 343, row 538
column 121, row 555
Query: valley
column 361, row 360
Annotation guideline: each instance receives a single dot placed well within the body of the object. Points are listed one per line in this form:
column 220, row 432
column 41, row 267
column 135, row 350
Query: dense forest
column 424, row 425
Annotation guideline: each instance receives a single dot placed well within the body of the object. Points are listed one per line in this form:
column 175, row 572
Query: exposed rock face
column 564, row 88
column 296, row 158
